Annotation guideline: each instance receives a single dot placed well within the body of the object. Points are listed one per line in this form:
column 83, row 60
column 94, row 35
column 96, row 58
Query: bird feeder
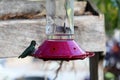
column 60, row 44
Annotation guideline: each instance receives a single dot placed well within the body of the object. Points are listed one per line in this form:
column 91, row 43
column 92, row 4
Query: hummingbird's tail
column 21, row 56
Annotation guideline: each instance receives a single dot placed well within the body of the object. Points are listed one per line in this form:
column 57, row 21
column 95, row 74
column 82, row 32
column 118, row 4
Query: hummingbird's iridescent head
column 33, row 42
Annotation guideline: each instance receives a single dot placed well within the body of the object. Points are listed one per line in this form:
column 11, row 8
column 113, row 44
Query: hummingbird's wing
column 27, row 52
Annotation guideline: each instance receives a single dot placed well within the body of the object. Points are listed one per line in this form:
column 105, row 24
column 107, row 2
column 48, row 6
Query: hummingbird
column 29, row 50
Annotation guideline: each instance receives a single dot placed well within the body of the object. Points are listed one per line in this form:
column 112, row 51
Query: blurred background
column 111, row 60
column 35, row 69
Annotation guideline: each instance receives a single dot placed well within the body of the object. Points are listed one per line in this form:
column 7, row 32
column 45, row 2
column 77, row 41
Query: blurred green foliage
column 111, row 10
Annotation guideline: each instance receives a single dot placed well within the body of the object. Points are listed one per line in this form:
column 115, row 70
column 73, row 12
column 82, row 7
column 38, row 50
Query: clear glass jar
column 59, row 18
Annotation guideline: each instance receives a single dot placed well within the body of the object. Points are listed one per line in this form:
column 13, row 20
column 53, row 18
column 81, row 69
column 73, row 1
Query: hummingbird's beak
column 37, row 44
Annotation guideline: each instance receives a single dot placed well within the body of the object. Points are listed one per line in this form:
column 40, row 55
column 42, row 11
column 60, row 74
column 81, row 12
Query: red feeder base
column 60, row 50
